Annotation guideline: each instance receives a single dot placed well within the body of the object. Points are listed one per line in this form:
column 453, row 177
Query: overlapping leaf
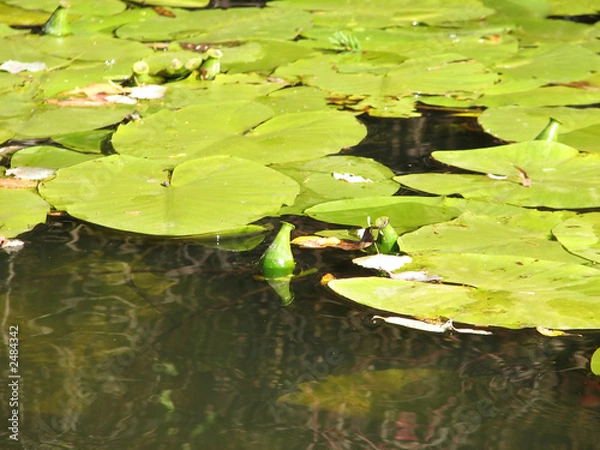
column 580, row 235
column 238, row 128
column 405, row 213
column 559, row 175
column 323, row 179
column 524, row 233
column 494, row 290
column 22, row 209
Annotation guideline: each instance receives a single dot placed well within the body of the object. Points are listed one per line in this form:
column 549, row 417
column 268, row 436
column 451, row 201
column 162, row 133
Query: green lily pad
column 80, row 75
column 517, row 8
column 87, row 7
column 595, row 362
column 85, row 142
column 48, row 157
column 322, row 180
column 262, row 56
column 551, row 63
column 585, row 139
column 295, row 137
column 405, row 213
column 22, row 210
column 239, row 129
column 52, row 120
column 87, row 48
column 573, row 8
column 533, row 31
column 439, row 74
column 16, row 16
column 394, row 12
column 560, row 176
column 543, row 96
column 176, row 136
column 296, row 99
column 580, row 235
column 216, row 25
column 224, row 89
column 495, row 290
column 175, row 3
column 23, row 48
column 523, row 233
column 17, row 108
column 87, row 25
column 206, row 195
column 513, row 123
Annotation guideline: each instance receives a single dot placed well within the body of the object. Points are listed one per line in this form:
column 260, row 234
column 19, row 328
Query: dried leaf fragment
column 13, row 183
column 553, row 333
column 434, row 326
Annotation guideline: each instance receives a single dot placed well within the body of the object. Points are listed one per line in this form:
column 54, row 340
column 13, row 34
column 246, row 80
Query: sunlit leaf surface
column 580, row 235
column 560, row 176
column 203, row 196
column 22, row 210
column 494, row 290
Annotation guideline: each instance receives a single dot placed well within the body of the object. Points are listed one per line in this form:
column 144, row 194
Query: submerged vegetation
column 245, row 114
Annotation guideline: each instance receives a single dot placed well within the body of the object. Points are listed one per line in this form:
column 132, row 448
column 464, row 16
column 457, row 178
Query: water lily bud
column 141, row 68
column 278, row 260
column 211, row 65
column 175, row 70
column 141, row 74
column 550, row 133
column 194, row 64
column 58, row 23
column 387, row 241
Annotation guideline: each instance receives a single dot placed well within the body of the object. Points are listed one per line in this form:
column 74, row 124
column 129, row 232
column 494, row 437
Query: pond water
column 128, row 342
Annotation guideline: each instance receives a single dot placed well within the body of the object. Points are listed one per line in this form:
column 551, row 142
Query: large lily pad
column 175, row 3
column 523, row 233
column 581, row 235
column 88, row 7
column 513, row 123
column 176, row 136
column 218, row 25
column 494, row 290
column 262, row 56
column 49, row 157
column 52, row 120
column 445, row 73
column 14, row 15
column 206, row 195
column 238, row 129
column 336, row 177
column 551, row 63
column 221, row 91
column 559, row 175
column 394, row 12
column 22, row 210
column 405, row 213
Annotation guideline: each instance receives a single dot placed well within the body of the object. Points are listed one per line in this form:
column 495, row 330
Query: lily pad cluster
column 169, row 118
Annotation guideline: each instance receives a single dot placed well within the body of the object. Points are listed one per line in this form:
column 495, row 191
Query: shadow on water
column 139, row 343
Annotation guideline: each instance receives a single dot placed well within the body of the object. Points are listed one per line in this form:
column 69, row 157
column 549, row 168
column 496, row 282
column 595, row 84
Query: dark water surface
column 141, row 343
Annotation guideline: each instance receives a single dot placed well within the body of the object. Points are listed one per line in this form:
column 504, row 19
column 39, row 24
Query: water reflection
column 149, row 344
